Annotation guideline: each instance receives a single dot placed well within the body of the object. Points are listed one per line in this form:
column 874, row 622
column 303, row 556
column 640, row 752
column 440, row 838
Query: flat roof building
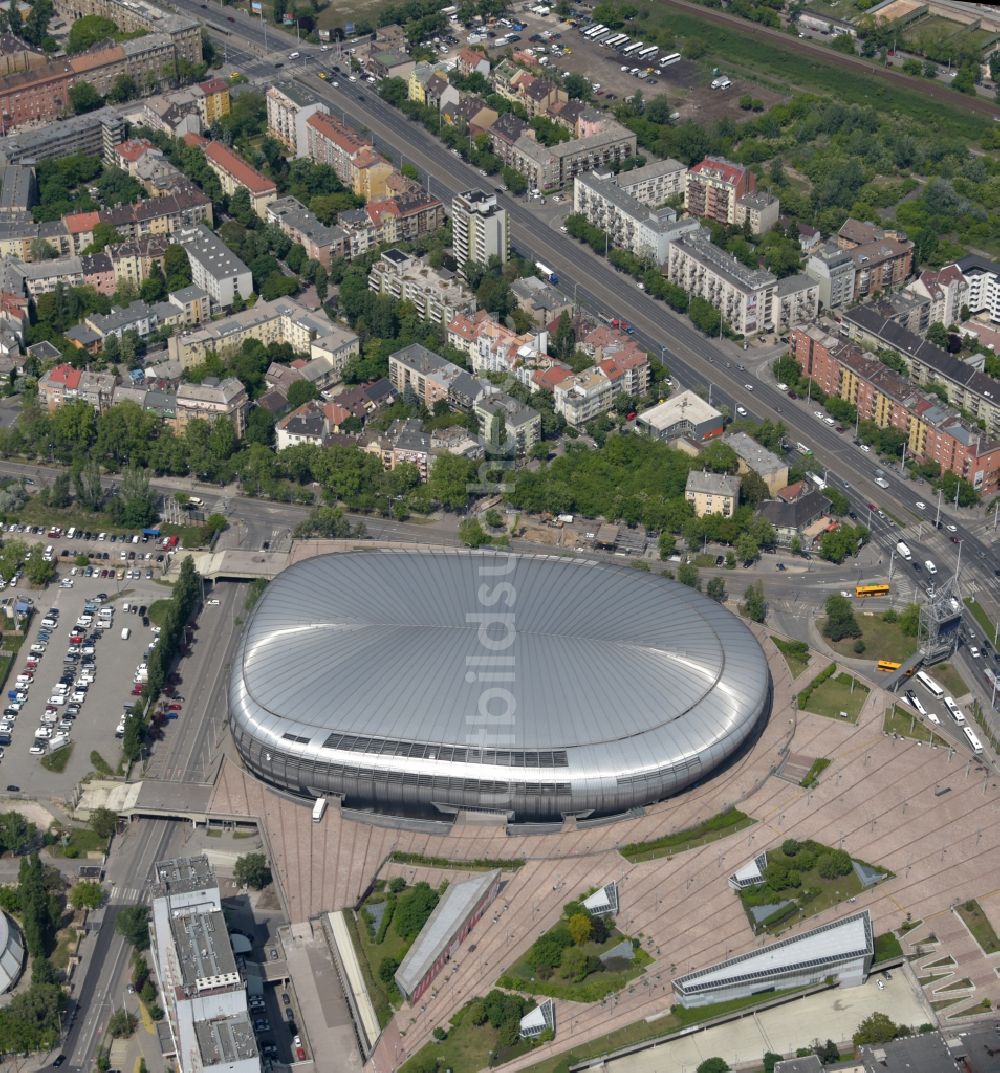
column 214, row 266
column 684, row 415
column 772, row 470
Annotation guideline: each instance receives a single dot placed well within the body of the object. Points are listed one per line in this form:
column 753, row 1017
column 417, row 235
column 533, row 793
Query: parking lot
column 78, row 684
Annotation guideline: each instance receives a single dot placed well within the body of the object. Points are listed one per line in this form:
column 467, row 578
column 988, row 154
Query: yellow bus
column 871, row 588
column 887, row 665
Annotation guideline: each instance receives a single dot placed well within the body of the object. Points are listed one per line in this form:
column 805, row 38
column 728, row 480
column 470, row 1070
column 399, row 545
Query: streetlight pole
column 937, row 520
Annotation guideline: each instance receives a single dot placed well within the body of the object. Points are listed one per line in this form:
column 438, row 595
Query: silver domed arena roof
column 11, row 953
column 411, row 681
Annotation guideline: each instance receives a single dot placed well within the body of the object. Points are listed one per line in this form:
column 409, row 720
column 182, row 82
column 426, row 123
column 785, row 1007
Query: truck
column 545, row 272
column 903, row 550
column 318, row 809
column 817, row 479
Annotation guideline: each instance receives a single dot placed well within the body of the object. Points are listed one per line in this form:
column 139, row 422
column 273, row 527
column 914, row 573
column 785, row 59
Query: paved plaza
column 880, row 800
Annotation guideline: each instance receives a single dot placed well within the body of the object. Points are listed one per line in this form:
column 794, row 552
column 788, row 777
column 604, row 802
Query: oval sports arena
column 427, row 682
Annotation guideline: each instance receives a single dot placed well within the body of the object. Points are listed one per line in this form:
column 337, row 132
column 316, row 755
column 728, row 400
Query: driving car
column 920, row 505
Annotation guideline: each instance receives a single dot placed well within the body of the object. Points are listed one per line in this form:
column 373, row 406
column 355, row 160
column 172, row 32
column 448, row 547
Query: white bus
column 977, row 745
column 319, row 807
column 616, row 40
column 954, row 710
column 665, row 61
column 632, row 48
column 595, row 30
column 929, row 684
column 647, row 53
column 623, row 44
column 597, row 37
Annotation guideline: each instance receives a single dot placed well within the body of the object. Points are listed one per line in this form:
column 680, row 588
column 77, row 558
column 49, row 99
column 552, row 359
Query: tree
column 716, row 589
column 154, row 286
column 252, row 870
column 754, row 606
column 875, row 1028
column 39, row 909
column 840, row 622
column 86, row 894
column 580, row 928
column 747, row 547
column 135, row 506
column 687, row 574
column 714, row 1065
column 84, row 98
column 176, row 267
column 301, row 391
column 133, row 923
column 472, row 534
column 387, row 969
column 87, row 31
column 16, row 833
column 412, row 910
column 122, row 1024
column 38, row 570
column 103, row 822
column 125, row 88
column 574, row 964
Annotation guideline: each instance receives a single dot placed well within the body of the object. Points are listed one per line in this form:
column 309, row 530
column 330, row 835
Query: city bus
column 871, row 588
column 977, row 745
column 887, row 665
column 929, row 684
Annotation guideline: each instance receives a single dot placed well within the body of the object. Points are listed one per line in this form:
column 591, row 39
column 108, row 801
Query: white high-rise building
column 480, row 228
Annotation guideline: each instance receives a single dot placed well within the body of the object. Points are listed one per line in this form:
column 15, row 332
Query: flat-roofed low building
column 437, row 294
column 712, row 493
column 843, row 950
column 18, row 191
column 446, row 929
column 771, row 469
column 684, row 416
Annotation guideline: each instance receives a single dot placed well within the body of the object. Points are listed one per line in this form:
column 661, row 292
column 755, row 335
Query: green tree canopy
column 252, row 870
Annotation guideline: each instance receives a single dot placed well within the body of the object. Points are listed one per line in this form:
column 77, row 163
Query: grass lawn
column 64, row 944
column 58, row 760
column 467, row 1049
column 82, row 840
column 812, row 776
column 796, row 654
column 982, row 930
column 883, row 640
column 979, row 614
column 907, row 724
column 721, row 826
column 157, row 611
column 815, row 893
column 841, row 693
column 887, row 947
column 949, row 677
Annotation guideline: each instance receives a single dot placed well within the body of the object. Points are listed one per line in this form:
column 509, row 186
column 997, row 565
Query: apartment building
column 935, row 431
column 630, row 224
column 204, row 993
column 132, row 262
column 975, row 392
column 236, row 174
column 18, row 192
column 480, row 228
column 213, row 100
column 40, row 95
column 714, row 186
column 66, row 383
column 404, row 442
column 758, row 211
column 583, row 396
column 712, row 493
column 431, row 378
column 755, row 458
column 437, row 294
column 214, row 266
column 406, row 216
column 654, row 183
column 283, row 320
column 508, row 427
column 138, row 317
column 372, row 176
column 95, row 134
column 982, row 278
column 292, row 218
column 42, row 277
column 187, row 208
column 329, row 141
column 289, row 107
column 212, row 399
column 795, row 301
column 132, row 15
column 744, row 296
column 833, row 270
column 946, row 291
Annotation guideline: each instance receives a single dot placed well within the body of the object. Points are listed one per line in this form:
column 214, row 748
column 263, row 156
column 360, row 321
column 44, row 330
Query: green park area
column 583, row 958
column 818, row 766
column 986, row 624
column 839, row 696
column 885, row 635
column 721, row 826
column 905, row 723
column 979, row 924
column 953, row 683
column 801, row 879
column 796, row 654
column 385, row 927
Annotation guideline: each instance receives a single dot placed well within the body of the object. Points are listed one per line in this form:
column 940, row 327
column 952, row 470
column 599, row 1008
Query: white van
column 48, row 553
column 929, row 566
column 106, row 612
column 195, row 501
column 71, row 534
column 126, row 633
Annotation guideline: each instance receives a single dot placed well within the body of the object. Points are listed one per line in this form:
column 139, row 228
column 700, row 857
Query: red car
column 137, row 690
column 173, row 707
column 29, row 671
column 76, row 639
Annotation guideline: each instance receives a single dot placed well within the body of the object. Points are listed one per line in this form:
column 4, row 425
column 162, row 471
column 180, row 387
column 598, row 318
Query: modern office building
column 480, row 228
column 430, row 734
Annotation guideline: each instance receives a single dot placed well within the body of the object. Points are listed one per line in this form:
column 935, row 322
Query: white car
column 741, row 410
column 57, row 700
column 38, row 749
column 38, row 648
column 6, row 726
column 934, row 719
column 43, row 732
column 352, row 78
column 952, row 528
column 864, row 447
column 79, row 696
column 921, row 505
column 294, row 55
column 818, row 414
column 974, row 652
column 829, row 421
column 324, row 48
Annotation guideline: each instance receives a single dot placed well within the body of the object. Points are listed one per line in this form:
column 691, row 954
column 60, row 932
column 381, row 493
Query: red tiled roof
column 66, row 375
column 238, row 168
column 193, row 139
column 81, row 223
column 548, row 378
column 730, row 172
column 214, row 85
column 91, row 61
column 132, row 150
